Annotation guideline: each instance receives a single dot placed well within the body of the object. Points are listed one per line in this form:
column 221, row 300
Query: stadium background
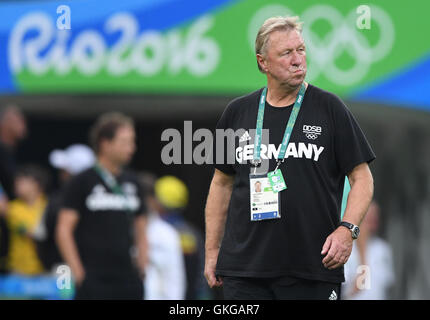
column 168, row 61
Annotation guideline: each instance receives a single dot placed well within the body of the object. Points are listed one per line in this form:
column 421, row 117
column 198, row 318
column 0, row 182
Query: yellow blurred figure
column 172, row 198
column 23, row 219
column 171, row 192
column 24, row 215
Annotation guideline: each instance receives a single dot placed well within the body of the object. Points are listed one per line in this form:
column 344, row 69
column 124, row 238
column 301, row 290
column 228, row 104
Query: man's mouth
column 300, row 69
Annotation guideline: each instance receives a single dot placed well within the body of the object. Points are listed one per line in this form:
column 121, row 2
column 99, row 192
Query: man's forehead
column 286, row 38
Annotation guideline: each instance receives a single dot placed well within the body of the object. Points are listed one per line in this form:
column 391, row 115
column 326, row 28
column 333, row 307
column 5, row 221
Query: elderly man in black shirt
column 286, row 242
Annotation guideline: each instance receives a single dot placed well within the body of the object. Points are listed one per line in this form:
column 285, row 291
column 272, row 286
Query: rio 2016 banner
column 363, row 52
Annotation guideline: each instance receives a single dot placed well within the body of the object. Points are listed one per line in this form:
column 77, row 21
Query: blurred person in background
column 3, row 230
column 13, row 129
column 23, row 216
column 69, row 162
column 101, row 226
column 375, row 254
column 172, row 196
column 165, row 277
column 3, row 202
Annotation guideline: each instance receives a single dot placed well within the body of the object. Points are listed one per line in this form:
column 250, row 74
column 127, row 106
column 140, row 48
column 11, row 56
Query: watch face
column 355, row 232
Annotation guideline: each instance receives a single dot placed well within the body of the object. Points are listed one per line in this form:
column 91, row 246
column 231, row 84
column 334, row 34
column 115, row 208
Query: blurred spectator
column 103, row 218
column 3, row 202
column 165, row 272
column 24, row 214
column 13, row 128
column 172, row 196
column 70, row 161
column 4, row 234
column 375, row 256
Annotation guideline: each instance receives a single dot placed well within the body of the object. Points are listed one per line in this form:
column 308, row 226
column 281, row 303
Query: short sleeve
column 220, row 144
column 351, row 145
column 74, row 195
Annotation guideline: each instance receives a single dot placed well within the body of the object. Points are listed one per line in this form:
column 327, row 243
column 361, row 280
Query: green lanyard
column 288, row 129
column 110, row 181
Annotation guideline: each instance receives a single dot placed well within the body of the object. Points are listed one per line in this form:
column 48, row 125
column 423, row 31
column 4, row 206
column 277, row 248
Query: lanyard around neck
column 288, row 129
column 109, row 180
column 112, row 183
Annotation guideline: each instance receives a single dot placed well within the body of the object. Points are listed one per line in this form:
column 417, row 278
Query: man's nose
column 296, row 59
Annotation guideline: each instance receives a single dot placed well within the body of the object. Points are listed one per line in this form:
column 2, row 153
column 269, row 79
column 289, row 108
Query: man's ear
column 261, row 62
column 102, row 145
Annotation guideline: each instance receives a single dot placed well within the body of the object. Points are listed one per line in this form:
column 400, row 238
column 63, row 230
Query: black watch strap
column 355, row 230
column 347, row 224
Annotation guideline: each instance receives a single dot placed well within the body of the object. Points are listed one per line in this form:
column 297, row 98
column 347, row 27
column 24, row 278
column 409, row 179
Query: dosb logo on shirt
column 311, row 132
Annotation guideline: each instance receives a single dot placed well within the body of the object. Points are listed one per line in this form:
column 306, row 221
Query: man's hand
column 78, row 275
column 210, row 266
column 215, row 217
column 338, row 247
column 142, row 264
column 67, row 221
column 141, row 243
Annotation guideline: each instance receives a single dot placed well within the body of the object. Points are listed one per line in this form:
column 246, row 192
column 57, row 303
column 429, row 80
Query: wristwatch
column 355, row 230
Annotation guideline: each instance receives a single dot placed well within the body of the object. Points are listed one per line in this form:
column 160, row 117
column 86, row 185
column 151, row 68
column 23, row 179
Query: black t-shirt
column 325, row 145
column 104, row 233
column 47, row 248
column 7, row 170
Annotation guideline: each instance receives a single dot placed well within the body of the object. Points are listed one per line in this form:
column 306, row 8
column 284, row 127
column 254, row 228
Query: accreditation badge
column 276, row 180
column 264, row 203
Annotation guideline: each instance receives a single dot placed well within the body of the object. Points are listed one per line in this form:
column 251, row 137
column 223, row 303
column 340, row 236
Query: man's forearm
column 69, row 252
column 141, row 242
column 359, row 198
column 216, row 213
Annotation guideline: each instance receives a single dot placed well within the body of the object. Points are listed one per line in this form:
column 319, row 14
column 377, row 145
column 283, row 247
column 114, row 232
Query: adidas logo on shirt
column 333, row 296
column 245, row 137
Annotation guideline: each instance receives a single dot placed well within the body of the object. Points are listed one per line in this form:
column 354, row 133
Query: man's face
column 16, row 125
column 257, row 187
column 19, row 126
column 285, row 58
column 121, row 148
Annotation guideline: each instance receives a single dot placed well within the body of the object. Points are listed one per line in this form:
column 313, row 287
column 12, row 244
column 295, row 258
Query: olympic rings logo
column 312, row 136
column 322, row 52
